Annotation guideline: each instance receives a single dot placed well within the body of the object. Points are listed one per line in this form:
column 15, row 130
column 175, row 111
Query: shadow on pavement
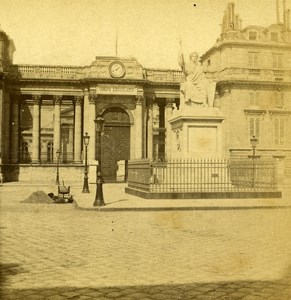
column 231, row 290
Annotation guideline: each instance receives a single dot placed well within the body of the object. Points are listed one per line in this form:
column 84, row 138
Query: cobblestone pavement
column 53, row 251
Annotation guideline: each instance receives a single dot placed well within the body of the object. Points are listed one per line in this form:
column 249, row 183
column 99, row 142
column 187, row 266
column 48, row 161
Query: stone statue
column 197, row 89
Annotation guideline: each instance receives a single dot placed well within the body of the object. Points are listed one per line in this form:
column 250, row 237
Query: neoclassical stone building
column 47, row 108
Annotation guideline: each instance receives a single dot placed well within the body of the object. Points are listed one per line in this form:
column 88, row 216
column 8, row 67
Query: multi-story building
column 252, row 68
column 46, row 108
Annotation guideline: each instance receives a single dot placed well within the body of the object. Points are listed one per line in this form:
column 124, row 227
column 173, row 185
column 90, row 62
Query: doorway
column 115, row 145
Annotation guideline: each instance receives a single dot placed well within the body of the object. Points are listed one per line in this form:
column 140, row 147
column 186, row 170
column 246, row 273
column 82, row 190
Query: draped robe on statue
column 194, row 89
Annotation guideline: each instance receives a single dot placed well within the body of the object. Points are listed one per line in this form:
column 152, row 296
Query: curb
column 186, row 208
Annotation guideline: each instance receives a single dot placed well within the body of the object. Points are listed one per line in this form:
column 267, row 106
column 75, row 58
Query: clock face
column 116, row 69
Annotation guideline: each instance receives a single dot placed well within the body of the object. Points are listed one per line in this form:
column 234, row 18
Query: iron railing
column 203, row 175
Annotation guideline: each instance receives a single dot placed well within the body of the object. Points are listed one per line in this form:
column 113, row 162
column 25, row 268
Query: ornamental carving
column 139, row 100
column 92, row 98
column 116, row 115
column 78, row 100
column 169, row 102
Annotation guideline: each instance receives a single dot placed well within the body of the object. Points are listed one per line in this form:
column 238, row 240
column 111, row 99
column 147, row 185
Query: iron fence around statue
column 203, row 175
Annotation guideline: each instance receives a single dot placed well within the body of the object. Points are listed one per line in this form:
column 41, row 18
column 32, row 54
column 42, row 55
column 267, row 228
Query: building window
column 50, row 152
column 254, row 98
column 279, row 99
column 279, row 131
column 252, row 35
column 274, row 36
column 277, row 61
column 253, row 59
column 255, row 127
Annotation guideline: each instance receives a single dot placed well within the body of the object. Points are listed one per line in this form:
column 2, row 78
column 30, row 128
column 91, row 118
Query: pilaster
column 168, row 116
column 138, row 127
column 14, row 128
column 91, row 127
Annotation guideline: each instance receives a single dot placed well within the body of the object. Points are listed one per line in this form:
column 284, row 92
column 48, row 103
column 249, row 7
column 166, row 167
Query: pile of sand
column 38, row 197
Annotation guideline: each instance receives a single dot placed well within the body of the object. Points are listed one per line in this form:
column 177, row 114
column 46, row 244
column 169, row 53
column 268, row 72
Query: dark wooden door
column 115, row 147
column 115, row 142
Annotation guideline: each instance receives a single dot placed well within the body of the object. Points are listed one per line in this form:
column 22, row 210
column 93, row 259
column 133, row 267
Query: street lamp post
column 86, row 139
column 99, row 199
column 254, row 142
column 58, row 158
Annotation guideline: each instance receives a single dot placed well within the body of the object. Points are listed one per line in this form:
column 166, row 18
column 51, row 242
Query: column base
column 35, row 161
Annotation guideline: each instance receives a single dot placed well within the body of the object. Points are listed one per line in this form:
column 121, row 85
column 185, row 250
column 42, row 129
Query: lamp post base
column 57, row 180
column 99, row 200
column 86, row 186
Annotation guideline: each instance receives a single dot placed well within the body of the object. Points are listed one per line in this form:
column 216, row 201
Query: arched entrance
column 115, row 149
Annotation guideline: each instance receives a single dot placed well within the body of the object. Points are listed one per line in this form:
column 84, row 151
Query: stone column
column 150, row 129
column 168, row 116
column 156, row 139
column 78, row 129
column 57, row 125
column 15, row 129
column 138, row 127
column 70, row 149
column 36, row 128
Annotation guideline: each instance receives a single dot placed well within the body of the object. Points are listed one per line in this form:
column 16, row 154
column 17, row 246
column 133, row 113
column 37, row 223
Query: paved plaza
column 57, row 251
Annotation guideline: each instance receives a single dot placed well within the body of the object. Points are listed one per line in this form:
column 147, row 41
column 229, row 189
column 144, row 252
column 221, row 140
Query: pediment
column 103, row 67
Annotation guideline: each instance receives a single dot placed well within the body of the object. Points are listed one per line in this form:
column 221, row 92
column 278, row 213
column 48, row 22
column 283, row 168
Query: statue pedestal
column 196, row 133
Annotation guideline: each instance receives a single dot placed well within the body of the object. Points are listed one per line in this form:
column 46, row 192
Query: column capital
column 36, row 99
column 169, row 102
column 139, row 100
column 57, row 99
column 15, row 97
column 78, row 100
column 92, row 98
column 150, row 101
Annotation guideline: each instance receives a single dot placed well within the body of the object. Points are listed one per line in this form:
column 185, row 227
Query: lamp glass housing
column 86, row 139
column 254, row 141
column 99, row 124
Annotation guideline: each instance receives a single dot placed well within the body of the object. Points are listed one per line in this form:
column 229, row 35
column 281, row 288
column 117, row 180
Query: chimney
column 236, row 23
column 230, row 13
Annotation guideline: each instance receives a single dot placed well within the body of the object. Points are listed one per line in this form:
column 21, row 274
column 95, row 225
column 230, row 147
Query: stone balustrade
column 164, row 75
column 251, row 74
column 154, row 75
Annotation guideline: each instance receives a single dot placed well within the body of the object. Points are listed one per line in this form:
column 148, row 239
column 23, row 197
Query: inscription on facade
column 116, row 89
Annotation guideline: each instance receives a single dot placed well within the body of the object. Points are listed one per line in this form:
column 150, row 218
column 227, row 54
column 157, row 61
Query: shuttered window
column 279, row 131
column 255, row 127
column 253, row 59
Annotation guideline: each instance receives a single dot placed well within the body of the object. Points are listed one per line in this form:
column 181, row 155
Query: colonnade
column 36, row 128
column 139, row 148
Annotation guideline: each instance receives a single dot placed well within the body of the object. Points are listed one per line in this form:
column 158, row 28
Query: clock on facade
column 116, row 69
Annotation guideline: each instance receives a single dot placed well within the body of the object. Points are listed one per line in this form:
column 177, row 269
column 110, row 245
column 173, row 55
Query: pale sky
column 74, row 32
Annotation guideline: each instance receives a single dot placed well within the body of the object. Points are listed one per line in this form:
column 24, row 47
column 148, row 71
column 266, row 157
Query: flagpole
column 116, row 43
